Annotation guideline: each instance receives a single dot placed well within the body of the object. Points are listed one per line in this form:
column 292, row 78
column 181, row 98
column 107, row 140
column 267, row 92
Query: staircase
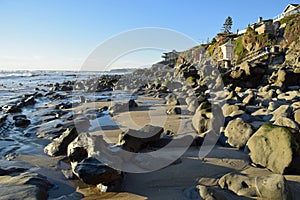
column 257, row 55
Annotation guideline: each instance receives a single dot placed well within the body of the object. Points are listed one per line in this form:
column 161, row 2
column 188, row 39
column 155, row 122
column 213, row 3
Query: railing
column 253, row 56
column 282, row 15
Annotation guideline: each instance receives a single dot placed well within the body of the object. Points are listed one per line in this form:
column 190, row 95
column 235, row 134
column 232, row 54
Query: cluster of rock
column 260, row 106
column 99, row 84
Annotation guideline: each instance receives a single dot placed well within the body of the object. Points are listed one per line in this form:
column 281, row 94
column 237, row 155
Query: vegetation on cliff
column 292, row 28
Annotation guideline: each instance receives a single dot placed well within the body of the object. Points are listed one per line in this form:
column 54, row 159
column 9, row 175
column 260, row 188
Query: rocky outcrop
column 59, row 145
column 285, row 78
column 246, row 75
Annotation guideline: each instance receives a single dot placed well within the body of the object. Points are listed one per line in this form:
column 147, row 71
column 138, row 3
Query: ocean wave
column 16, row 74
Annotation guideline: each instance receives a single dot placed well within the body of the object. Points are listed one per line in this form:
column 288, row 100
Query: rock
column 91, row 171
column 289, row 96
column 249, row 99
column 284, row 121
column 285, row 78
column 263, row 113
column 174, row 111
column 297, row 116
column 273, row 186
column 193, row 103
column 132, row 104
column 29, row 101
column 11, row 109
column 251, row 74
column 21, row 121
column 275, row 148
column 25, row 185
column 118, row 107
column 202, row 120
column 80, row 148
column 201, row 192
column 228, row 109
column 282, row 111
column 66, row 88
column 171, row 100
column 68, row 173
column 82, row 99
column 59, row 145
column 2, row 119
column 135, row 140
column 238, row 133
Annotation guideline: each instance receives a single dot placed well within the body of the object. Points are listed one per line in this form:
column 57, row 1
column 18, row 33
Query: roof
column 289, row 5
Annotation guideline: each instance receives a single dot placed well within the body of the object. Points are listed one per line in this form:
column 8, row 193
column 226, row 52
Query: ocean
column 17, row 83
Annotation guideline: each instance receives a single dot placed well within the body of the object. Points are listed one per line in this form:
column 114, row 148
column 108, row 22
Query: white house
column 289, row 10
column 227, row 53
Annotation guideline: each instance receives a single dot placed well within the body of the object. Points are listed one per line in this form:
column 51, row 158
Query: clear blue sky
column 60, row 34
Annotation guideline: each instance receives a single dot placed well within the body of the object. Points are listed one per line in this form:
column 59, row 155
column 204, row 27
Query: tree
column 227, row 25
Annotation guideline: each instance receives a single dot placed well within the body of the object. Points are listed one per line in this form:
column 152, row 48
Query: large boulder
column 208, row 117
column 284, row 78
column 92, row 171
column 251, row 74
column 238, row 133
column 59, row 145
column 273, row 186
column 171, row 100
column 23, row 185
column 136, row 140
column 275, row 148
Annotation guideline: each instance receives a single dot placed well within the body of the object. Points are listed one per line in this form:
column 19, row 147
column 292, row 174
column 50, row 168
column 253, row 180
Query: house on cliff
column 271, row 26
column 289, row 10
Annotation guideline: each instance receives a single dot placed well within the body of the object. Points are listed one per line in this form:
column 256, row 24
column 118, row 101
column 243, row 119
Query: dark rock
column 59, row 145
column 174, row 111
column 2, row 119
column 82, row 99
column 77, row 154
column 21, row 121
column 132, row 104
column 11, row 109
column 285, row 78
column 66, row 88
column 25, row 185
column 29, row 101
column 251, row 74
column 64, row 105
column 136, row 140
column 92, row 171
column 119, row 107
